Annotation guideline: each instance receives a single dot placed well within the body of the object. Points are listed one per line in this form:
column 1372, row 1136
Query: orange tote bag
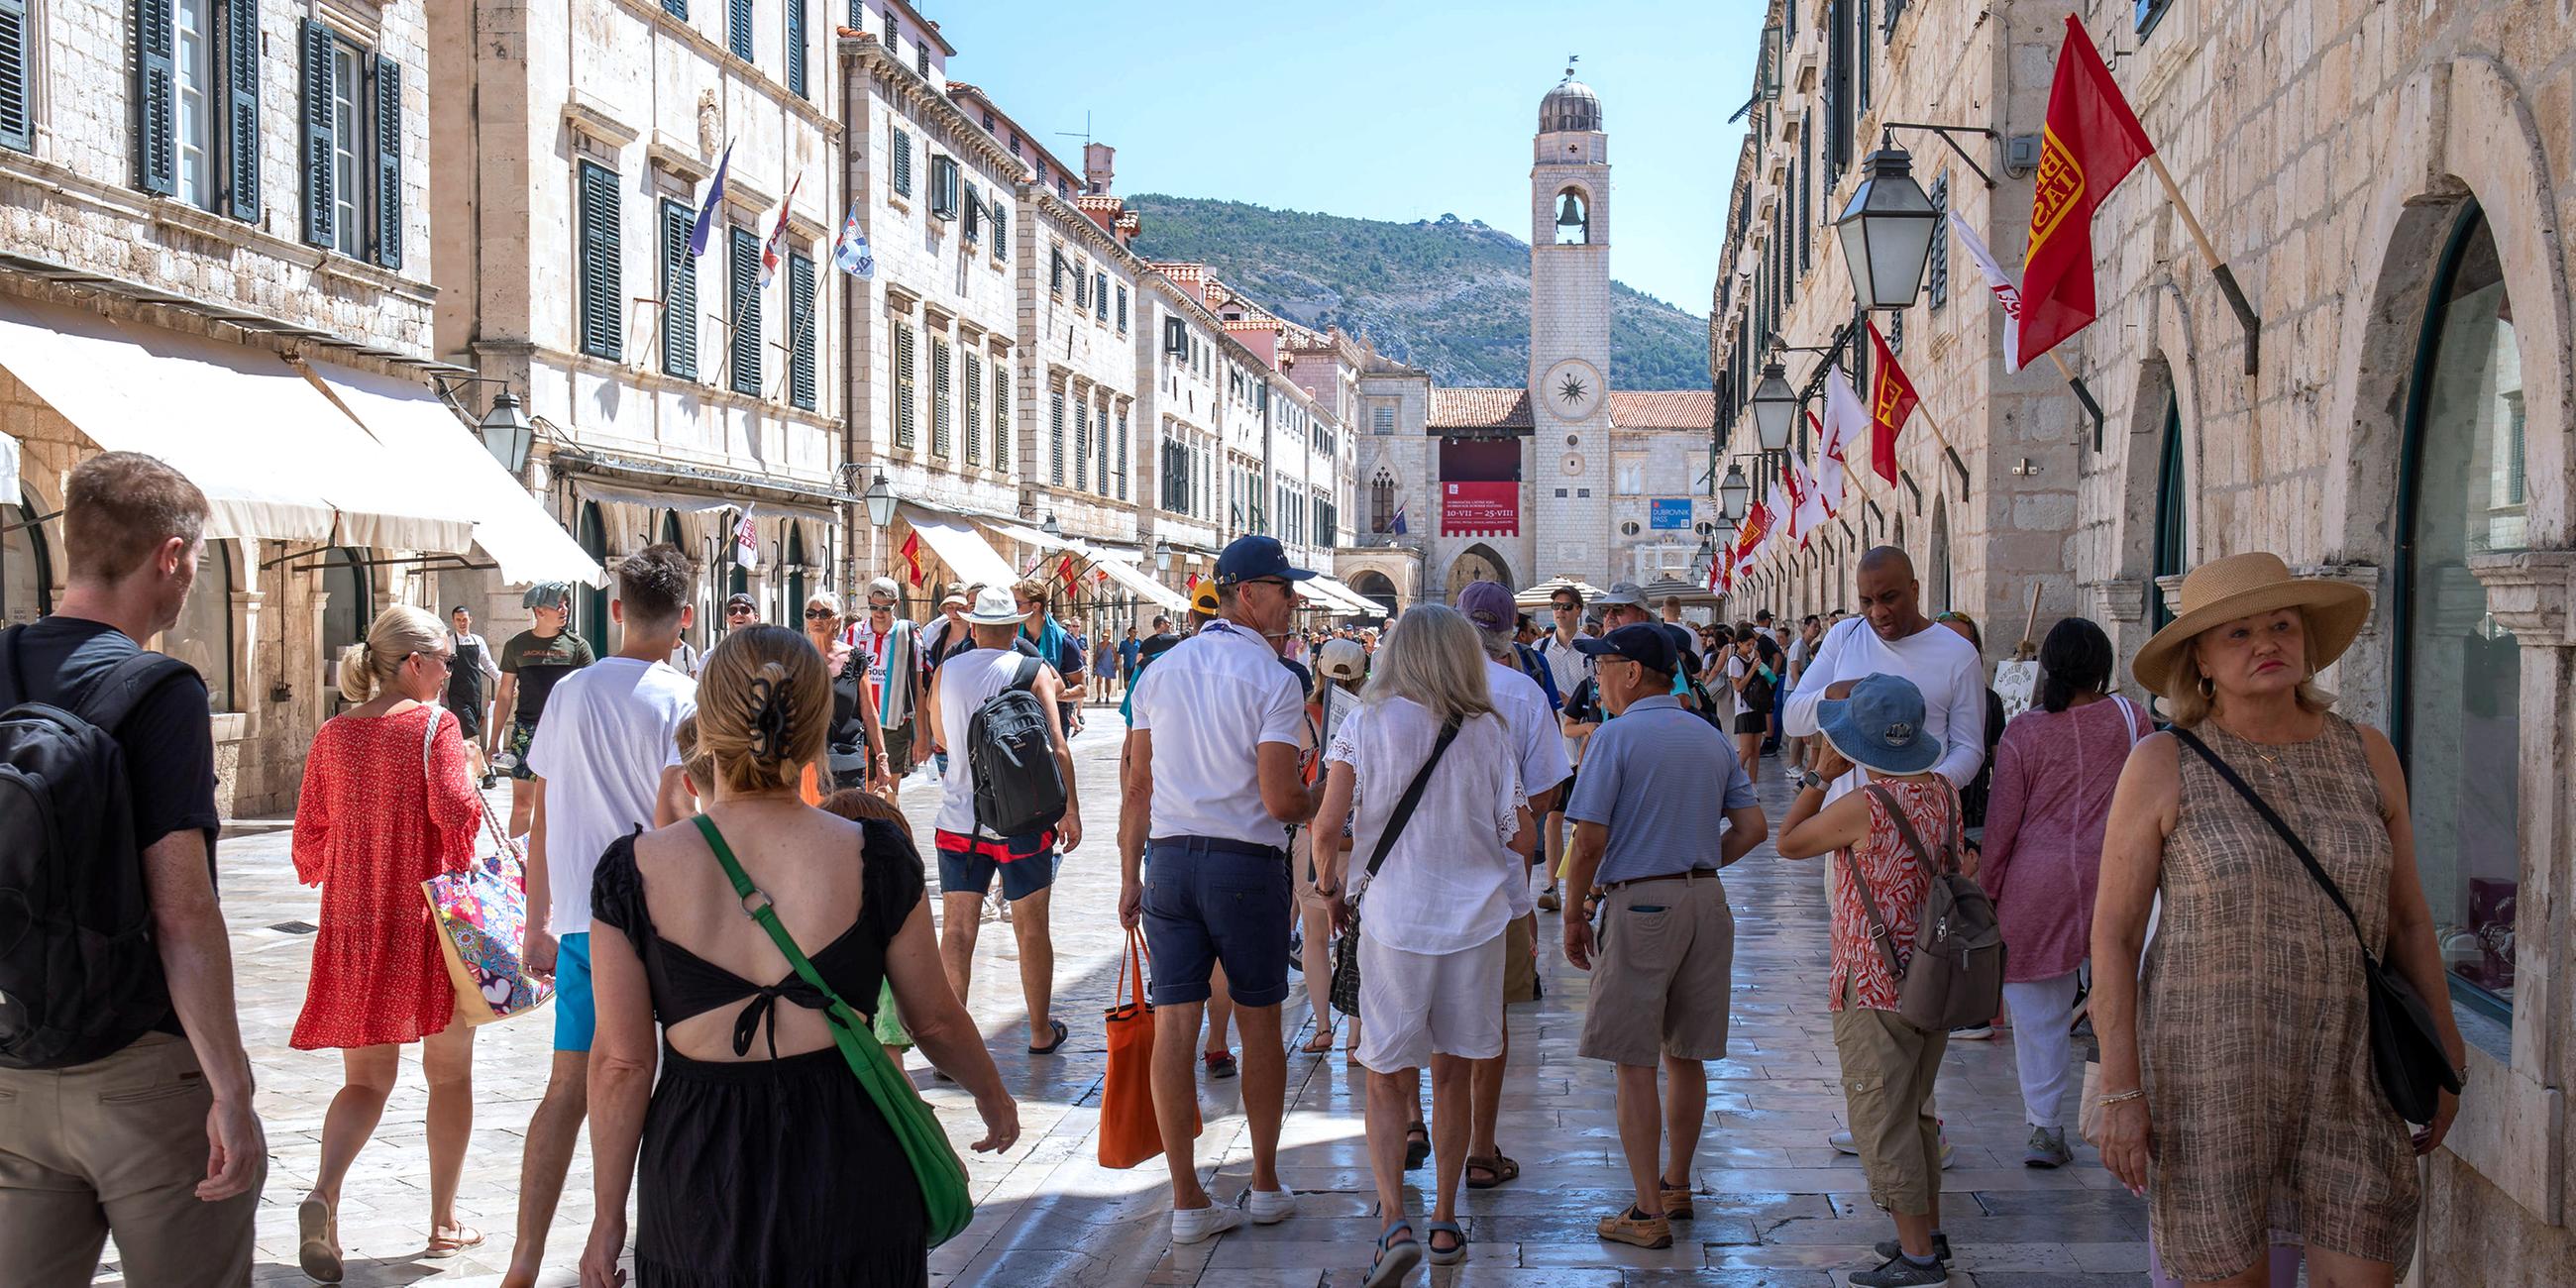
column 1128, row 1134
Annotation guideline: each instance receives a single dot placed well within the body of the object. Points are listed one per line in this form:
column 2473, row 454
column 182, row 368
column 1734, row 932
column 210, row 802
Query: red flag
column 911, row 553
column 2091, row 142
column 1064, row 572
column 1891, row 400
column 1190, row 583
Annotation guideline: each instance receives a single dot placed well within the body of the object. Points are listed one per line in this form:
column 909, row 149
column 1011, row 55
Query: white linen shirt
column 1210, row 703
column 1451, row 882
column 1939, row 662
column 1539, row 748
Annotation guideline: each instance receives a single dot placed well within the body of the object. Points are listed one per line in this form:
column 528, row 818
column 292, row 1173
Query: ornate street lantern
column 1734, row 493
column 507, row 433
column 1887, row 231
column 880, row 502
column 1775, row 408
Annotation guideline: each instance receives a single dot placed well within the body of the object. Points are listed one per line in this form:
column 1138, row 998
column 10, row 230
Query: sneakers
column 1269, row 1207
column 1973, row 1033
column 1197, row 1225
column 1842, row 1142
column 1549, row 900
column 1220, row 1064
column 1636, row 1229
column 1940, row 1248
column 2047, row 1148
column 1898, row 1272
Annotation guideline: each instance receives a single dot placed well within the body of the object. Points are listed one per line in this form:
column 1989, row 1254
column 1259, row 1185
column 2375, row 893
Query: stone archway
column 1378, row 588
column 1479, row 562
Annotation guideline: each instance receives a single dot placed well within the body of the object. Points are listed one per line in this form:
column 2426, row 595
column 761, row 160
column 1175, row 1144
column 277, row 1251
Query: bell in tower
column 1573, row 226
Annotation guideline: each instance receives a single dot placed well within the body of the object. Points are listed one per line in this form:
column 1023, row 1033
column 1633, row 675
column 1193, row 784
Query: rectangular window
column 1001, row 417
column 1860, row 60
column 1055, row 272
column 743, row 272
column 738, row 28
column 903, row 386
column 1100, row 296
column 1382, row 420
column 942, row 430
column 17, row 85
column 603, row 326
column 1001, row 213
column 2145, row 14
column 676, row 8
column 796, row 48
column 802, row 387
column 1081, row 288
column 943, row 187
column 1122, row 456
column 902, row 164
column 1806, row 197
column 1122, row 310
column 974, row 216
column 1081, row 447
column 973, row 413
column 679, row 292
column 193, row 33
column 1055, row 439
column 1176, row 336
column 1628, row 471
column 348, row 234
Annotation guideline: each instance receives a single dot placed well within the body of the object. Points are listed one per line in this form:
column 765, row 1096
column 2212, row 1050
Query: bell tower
column 1569, row 361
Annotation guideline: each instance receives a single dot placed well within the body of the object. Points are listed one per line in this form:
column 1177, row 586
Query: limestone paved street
column 1780, row 1207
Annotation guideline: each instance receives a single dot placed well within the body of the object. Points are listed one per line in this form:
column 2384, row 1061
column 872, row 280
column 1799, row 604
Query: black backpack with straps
column 80, row 978
column 1011, row 753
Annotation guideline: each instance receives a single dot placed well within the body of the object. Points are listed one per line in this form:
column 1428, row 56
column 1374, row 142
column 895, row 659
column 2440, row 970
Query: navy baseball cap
column 1644, row 643
column 1253, row 558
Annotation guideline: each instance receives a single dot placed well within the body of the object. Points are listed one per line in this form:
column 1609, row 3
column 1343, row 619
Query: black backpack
column 79, row 976
column 1018, row 789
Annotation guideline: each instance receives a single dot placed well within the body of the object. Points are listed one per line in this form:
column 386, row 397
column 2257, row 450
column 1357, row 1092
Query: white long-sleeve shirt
column 1937, row 659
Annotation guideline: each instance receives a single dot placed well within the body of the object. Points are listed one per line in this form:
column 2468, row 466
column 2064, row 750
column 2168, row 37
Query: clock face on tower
column 1571, row 389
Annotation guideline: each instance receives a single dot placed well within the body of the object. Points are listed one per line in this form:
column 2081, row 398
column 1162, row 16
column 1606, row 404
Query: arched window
column 1573, row 218
column 1939, row 556
column 2170, row 503
column 590, row 603
column 2456, row 716
column 350, row 608
column 203, row 635
column 26, row 572
column 1382, row 502
column 796, row 571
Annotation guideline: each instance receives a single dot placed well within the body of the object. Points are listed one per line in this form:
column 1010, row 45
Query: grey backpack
column 1955, row 977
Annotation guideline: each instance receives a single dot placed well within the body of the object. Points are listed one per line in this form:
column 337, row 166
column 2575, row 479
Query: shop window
column 203, row 635
column 26, row 573
column 350, row 604
column 2457, row 714
column 796, row 591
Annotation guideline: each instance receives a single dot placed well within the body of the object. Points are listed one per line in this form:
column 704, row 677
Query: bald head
column 1889, row 595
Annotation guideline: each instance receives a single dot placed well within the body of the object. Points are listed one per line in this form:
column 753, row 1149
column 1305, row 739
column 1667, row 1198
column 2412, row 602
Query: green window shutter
column 802, row 387
column 1001, row 417
column 942, row 428
column 676, row 8
column 156, row 98
column 601, row 325
column 1001, row 226
column 319, row 139
column 796, row 48
column 972, row 385
column 1081, row 289
column 241, row 104
column 1055, row 440
column 974, row 212
column 738, row 28
column 1122, row 456
column 679, row 293
column 1055, row 272
column 388, row 151
column 1081, row 447
column 743, row 267
column 903, row 387
column 1100, row 296
column 17, row 91
column 902, row 164
column 1122, row 310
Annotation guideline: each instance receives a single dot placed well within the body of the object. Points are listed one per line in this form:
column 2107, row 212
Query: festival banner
column 1480, row 509
column 2090, row 143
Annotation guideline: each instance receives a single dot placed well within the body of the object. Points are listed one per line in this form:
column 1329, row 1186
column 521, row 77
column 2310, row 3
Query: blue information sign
column 1672, row 513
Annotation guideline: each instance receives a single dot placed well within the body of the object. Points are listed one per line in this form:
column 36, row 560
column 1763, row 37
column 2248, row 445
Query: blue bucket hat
column 1880, row 726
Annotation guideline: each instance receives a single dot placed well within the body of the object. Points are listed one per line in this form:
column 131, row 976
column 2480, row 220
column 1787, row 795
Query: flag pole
column 2218, row 269
column 1923, row 408
column 2082, row 395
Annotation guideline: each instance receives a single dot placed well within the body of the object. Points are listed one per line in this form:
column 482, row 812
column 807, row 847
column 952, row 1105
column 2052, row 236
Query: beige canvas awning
column 961, row 547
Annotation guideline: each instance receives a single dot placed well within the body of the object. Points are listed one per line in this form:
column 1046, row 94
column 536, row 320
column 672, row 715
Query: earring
column 2207, row 689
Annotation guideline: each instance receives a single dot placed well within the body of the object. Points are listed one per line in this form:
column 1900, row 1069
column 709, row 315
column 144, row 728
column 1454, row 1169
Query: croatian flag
column 777, row 244
column 851, row 252
column 707, row 213
column 1398, row 528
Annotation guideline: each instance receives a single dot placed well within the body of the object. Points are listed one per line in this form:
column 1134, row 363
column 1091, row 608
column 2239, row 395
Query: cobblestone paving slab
column 1778, row 1209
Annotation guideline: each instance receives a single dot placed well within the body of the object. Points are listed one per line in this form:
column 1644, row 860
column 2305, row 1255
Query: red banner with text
column 1480, row 509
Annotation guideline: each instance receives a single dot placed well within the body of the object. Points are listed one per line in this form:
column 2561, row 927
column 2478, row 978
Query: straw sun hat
column 2223, row 590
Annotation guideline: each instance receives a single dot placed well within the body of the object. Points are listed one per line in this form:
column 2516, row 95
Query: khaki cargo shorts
column 1661, row 973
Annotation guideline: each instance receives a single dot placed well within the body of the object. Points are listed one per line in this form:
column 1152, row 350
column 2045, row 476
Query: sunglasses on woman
column 820, row 614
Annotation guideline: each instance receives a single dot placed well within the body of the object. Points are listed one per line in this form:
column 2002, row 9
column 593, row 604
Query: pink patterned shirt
column 1897, row 883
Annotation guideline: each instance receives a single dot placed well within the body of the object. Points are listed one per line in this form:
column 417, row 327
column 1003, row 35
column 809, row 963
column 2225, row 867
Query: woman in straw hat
column 2236, row 1069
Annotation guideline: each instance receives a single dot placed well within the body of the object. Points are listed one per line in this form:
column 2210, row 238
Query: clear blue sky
column 1387, row 111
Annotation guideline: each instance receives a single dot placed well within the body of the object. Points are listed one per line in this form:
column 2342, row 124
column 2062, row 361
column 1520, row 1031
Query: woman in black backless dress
column 762, row 1161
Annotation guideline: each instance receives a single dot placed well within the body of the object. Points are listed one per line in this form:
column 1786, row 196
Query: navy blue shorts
column 967, row 864
column 1210, row 903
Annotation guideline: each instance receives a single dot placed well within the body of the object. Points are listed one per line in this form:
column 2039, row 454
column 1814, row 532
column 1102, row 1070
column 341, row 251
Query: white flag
column 2006, row 294
column 746, row 541
column 1846, row 422
column 1810, row 492
column 1783, row 512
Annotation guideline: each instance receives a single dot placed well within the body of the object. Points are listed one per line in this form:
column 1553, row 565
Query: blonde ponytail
column 399, row 632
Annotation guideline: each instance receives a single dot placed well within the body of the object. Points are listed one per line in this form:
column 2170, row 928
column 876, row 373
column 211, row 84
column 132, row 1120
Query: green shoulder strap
column 767, row 916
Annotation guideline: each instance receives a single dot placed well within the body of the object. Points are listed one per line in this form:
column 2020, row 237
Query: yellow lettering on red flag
column 2057, row 192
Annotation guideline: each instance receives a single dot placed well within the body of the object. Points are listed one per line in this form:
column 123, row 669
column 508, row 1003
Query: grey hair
column 1430, row 657
column 1499, row 645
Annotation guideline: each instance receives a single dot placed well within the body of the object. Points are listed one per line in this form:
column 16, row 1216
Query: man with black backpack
column 120, row 1055
column 1008, row 804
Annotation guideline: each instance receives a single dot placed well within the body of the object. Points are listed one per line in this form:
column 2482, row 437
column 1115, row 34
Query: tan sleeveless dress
column 2253, row 1022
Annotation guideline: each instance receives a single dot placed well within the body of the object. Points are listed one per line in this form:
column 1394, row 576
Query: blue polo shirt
column 1648, row 776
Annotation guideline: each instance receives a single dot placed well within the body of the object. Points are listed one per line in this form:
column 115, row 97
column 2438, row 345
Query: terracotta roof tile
column 1663, row 409
column 1479, row 409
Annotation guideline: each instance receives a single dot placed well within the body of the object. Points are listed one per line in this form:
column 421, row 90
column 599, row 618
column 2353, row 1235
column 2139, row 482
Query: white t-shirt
column 965, row 681
column 1451, row 882
column 1210, row 702
column 602, row 747
column 1940, row 663
column 1569, row 668
column 1538, row 747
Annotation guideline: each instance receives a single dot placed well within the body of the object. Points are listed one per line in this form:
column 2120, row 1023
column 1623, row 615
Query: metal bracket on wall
column 38, row 521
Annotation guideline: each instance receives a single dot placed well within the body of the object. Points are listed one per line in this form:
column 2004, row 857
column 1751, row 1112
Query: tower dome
column 1570, row 107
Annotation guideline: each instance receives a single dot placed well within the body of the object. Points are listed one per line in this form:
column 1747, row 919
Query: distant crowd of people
column 1388, row 814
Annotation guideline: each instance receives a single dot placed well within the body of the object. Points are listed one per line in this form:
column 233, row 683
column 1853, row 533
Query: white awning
column 273, row 456
column 962, row 548
column 443, row 462
column 1327, row 591
column 1138, row 581
column 9, row 493
column 1032, row 537
column 682, row 502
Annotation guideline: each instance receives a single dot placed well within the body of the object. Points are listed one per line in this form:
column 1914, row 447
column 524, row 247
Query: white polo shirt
column 1210, row 703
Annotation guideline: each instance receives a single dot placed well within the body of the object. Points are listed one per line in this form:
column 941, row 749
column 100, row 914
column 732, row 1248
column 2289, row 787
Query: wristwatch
column 1810, row 778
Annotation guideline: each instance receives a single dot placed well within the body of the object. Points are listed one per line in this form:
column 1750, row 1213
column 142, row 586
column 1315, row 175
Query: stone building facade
column 675, row 391
column 1565, row 475
column 2389, row 185
column 215, row 246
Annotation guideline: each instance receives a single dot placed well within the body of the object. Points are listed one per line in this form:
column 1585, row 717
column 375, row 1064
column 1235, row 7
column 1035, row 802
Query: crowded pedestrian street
column 1779, row 1207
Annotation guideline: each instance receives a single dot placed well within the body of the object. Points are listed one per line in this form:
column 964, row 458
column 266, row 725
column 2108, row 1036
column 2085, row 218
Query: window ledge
column 2510, row 1128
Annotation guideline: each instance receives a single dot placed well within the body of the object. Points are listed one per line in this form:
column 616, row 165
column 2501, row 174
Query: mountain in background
column 1447, row 295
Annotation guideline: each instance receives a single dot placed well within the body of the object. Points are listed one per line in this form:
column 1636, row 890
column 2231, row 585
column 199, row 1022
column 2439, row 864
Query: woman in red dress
column 386, row 805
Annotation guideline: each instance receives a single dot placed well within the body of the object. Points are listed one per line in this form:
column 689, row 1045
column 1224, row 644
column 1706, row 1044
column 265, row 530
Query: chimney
column 1097, row 167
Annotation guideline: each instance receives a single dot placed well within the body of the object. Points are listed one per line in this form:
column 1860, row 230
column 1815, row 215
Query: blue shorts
column 967, row 864
column 576, row 1017
column 1211, row 902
